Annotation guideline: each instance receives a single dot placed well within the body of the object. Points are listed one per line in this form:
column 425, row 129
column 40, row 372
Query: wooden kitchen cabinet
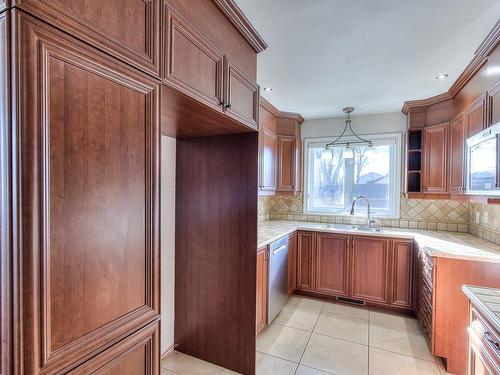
column 435, row 171
column 90, row 186
column 129, row 30
column 202, row 78
column 305, row 260
column 331, row 263
column 457, row 153
column 286, row 163
column 292, row 263
column 494, row 105
column 402, row 280
column 268, row 149
column 369, row 262
column 262, row 282
column 241, row 96
column 476, row 116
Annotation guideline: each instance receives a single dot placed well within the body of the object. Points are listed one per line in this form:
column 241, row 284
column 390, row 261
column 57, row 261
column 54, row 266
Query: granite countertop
column 438, row 244
column 487, row 300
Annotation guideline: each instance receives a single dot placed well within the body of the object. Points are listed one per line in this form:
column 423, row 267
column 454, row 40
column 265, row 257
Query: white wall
column 167, row 241
column 363, row 124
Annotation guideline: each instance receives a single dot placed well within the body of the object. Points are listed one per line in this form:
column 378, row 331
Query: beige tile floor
column 314, row 337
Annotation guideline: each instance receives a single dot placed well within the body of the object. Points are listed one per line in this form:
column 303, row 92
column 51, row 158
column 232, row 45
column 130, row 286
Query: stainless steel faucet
column 369, row 218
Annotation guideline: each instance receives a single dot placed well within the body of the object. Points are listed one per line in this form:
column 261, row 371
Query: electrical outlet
column 478, row 217
column 485, row 217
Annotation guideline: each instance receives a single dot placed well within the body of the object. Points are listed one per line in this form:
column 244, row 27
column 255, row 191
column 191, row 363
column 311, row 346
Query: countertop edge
column 485, row 310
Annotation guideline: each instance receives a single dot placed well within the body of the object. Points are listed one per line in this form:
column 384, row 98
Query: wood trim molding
column 276, row 112
column 234, row 14
column 481, row 55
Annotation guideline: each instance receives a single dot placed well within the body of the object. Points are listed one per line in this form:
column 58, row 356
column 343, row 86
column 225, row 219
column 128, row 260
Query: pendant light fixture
column 348, row 151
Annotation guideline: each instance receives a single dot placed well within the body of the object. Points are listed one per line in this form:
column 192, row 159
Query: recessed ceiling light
column 442, row 76
column 268, row 89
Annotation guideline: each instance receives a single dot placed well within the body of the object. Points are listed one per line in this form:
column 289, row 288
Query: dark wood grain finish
column 241, row 96
column 262, row 285
column 332, row 273
column 292, row 263
column 128, row 29
column 216, row 241
column 185, row 117
column 493, row 105
column 286, row 163
column 305, row 260
column 475, row 116
column 457, row 154
column 435, row 171
column 369, row 259
column 135, row 355
column 6, row 343
column 402, row 277
column 206, row 17
column 192, row 64
column 88, row 169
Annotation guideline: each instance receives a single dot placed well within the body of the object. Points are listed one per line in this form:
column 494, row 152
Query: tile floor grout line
column 406, row 355
column 305, row 348
column 275, row 356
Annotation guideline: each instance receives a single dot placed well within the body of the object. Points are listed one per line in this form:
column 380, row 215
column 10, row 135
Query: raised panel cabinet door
column 241, row 96
column 269, row 152
column 262, row 282
column 305, row 260
column 292, row 263
column 332, row 264
column 475, row 116
column 286, row 163
column 126, row 29
column 402, row 273
column 435, row 173
column 192, row 64
column 135, row 355
column 494, row 105
column 89, row 183
column 456, row 152
column 369, row 271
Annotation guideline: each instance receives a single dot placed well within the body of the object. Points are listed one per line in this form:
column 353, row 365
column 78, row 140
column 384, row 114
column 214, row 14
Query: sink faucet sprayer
column 369, row 218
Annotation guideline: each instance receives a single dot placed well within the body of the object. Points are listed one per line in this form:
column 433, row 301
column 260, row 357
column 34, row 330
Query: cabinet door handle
column 228, row 105
column 488, row 338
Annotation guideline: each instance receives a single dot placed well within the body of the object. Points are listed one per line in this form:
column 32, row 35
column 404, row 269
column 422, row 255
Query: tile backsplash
column 484, row 221
column 445, row 215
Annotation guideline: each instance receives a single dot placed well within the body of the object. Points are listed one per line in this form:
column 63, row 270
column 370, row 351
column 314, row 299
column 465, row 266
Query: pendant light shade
column 348, row 152
column 327, row 155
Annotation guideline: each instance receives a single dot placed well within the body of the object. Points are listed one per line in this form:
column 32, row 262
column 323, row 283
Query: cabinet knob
column 228, row 105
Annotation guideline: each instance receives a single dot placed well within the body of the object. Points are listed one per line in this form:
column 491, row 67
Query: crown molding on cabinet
column 276, row 112
column 242, row 24
column 481, row 55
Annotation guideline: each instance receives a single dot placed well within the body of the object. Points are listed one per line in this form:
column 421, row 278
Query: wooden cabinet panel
column 494, row 105
column 128, row 29
column 286, row 163
column 269, row 150
column 435, row 173
column 136, row 355
column 475, row 116
column 402, row 274
column 89, row 176
column 456, row 152
column 369, row 261
column 192, row 64
column 262, row 282
column 332, row 264
column 305, row 260
column 292, row 263
column 241, row 96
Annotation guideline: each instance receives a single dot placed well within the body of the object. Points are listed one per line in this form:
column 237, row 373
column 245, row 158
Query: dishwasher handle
column 280, row 249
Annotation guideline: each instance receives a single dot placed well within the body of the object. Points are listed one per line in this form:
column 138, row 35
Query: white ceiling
column 324, row 55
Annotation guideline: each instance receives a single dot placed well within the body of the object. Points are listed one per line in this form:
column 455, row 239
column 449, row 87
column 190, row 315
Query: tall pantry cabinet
column 80, row 145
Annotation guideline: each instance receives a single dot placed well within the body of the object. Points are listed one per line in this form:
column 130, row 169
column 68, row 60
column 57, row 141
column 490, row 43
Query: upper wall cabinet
column 475, row 116
column 494, row 105
column 435, row 172
column 128, row 29
column 200, row 66
column 457, row 150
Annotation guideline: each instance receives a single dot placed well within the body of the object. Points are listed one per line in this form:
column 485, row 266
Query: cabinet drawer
column 485, row 339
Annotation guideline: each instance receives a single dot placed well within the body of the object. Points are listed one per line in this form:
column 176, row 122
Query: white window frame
column 375, row 138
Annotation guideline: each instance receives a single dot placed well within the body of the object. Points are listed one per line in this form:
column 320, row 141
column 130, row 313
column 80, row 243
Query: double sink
column 355, row 228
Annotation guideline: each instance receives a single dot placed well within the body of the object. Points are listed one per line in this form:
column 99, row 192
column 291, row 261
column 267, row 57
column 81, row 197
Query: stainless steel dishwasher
column 278, row 277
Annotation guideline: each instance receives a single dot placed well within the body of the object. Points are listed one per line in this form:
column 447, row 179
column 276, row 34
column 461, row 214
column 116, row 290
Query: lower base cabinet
column 371, row 269
column 262, row 282
column 292, row 263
